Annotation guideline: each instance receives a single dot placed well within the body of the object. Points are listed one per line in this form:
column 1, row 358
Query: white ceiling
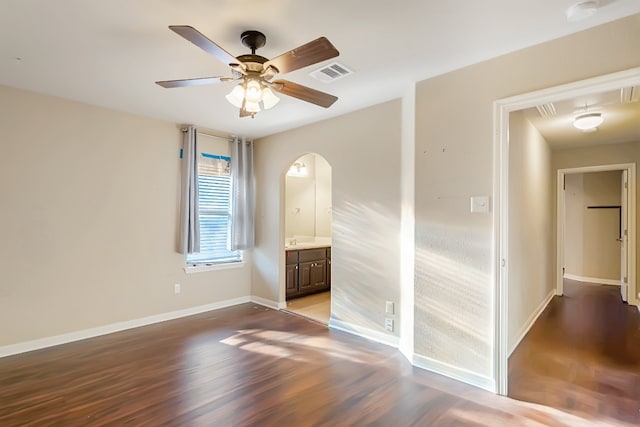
column 110, row 52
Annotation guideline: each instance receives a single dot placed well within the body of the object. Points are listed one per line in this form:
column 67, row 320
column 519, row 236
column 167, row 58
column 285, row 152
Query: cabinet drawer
column 292, row 257
column 312, row 255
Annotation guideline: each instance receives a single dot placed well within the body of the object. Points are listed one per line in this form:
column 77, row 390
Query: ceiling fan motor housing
column 254, row 40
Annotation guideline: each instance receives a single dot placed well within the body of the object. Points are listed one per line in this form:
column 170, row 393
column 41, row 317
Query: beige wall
column 454, row 160
column 366, row 210
column 610, row 154
column 323, row 197
column 591, row 248
column 88, row 220
column 531, row 263
column 308, row 199
column 300, row 200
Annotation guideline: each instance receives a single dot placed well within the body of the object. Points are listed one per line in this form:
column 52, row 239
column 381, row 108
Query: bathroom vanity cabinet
column 308, row 271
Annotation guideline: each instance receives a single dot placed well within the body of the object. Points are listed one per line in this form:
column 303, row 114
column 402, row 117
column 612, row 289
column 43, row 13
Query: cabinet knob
column 296, row 267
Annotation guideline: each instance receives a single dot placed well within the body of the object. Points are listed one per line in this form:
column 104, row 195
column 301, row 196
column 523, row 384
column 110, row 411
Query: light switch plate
column 480, row 204
column 388, row 308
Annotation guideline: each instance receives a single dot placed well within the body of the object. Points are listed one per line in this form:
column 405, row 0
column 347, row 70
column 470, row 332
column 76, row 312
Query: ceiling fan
column 255, row 73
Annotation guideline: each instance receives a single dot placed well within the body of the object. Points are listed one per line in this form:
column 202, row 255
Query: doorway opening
column 502, row 255
column 307, row 226
column 596, row 227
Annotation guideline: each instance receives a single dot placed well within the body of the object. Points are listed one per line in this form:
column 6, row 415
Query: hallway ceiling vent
column 629, row 95
column 330, row 73
column 547, row 110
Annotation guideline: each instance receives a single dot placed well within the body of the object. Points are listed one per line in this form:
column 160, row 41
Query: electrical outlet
column 177, row 288
column 388, row 324
column 388, row 308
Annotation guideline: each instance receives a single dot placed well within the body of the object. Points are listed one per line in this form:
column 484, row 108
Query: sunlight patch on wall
column 366, row 249
column 452, row 301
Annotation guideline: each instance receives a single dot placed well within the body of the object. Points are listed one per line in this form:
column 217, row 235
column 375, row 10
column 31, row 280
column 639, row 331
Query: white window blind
column 214, row 187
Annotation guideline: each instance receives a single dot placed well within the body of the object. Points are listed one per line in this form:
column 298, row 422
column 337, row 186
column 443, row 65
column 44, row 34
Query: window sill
column 190, row 269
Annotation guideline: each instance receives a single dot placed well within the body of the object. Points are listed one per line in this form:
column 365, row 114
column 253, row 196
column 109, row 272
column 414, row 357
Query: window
column 214, row 210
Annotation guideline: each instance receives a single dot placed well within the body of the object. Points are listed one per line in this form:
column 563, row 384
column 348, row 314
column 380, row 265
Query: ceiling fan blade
column 192, row 82
column 245, row 113
column 304, row 93
column 200, row 40
column 302, row 56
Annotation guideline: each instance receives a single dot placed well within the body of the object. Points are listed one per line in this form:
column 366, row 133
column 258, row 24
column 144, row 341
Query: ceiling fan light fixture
column 269, row 99
column 254, row 73
column 588, row 122
column 236, row 96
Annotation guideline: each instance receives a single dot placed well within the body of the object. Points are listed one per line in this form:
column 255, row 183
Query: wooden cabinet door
column 313, row 276
column 304, row 277
column 292, row 280
column 329, row 273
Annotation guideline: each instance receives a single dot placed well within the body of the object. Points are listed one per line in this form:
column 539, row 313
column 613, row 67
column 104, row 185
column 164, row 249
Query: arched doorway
column 307, row 219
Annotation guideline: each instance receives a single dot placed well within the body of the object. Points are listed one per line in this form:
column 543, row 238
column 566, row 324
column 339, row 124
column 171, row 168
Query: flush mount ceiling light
column 588, row 122
column 582, row 10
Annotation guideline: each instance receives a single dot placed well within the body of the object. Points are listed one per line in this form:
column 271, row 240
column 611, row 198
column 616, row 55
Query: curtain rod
column 226, row 138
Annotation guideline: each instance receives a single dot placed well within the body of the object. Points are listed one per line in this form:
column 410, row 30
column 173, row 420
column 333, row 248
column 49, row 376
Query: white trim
column 560, row 214
column 456, row 373
column 37, row 344
column 502, row 108
column 199, row 268
column 592, row 280
column 531, row 320
column 268, row 303
column 500, row 243
column 361, row 331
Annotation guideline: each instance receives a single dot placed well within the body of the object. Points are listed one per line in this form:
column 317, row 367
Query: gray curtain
column 189, row 220
column 242, row 198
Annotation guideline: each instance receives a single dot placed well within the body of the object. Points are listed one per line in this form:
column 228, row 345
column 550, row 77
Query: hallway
column 582, row 355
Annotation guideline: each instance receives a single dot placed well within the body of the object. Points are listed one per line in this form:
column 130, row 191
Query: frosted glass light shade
column 252, row 107
column 582, row 10
column 253, row 93
column 236, row 96
column 269, row 99
column 588, row 121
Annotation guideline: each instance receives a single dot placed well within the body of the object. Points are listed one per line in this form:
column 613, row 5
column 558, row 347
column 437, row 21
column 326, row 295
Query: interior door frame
column 631, row 223
column 501, row 110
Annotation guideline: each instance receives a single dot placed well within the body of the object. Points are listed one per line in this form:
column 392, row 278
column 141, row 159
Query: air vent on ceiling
column 546, row 110
column 629, row 94
column 331, row 73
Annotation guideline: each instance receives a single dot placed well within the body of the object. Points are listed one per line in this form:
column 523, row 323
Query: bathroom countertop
column 317, row 243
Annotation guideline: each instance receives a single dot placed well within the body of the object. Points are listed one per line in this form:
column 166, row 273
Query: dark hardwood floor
column 245, row 366
column 582, row 355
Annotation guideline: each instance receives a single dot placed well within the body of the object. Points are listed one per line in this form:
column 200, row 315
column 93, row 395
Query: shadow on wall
column 365, row 256
column 447, row 277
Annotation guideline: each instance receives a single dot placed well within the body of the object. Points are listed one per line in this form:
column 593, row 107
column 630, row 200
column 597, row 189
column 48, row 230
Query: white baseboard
column 268, row 303
column 531, row 320
column 381, row 337
column 592, row 280
column 454, row 372
column 38, row 344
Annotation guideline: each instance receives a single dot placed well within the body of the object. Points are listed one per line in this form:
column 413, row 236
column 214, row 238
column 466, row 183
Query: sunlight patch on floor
column 283, row 344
